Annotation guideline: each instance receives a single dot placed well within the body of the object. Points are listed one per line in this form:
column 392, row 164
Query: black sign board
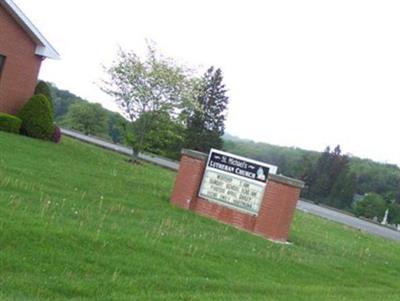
column 239, row 167
column 234, row 181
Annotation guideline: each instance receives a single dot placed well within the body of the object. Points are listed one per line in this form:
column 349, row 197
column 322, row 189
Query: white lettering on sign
column 234, row 181
column 232, row 191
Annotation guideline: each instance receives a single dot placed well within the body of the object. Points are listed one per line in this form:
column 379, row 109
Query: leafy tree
column 206, row 123
column 139, row 86
column 376, row 177
column 88, row 118
column 372, row 205
column 63, row 99
column 394, row 214
column 116, row 127
column 164, row 136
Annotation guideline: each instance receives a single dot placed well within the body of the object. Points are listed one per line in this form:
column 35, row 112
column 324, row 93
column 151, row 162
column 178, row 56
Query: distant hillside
column 291, row 161
column 295, row 162
column 113, row 128
column 62, row 100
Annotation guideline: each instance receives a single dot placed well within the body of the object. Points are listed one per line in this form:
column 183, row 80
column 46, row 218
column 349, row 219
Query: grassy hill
column 80, row 223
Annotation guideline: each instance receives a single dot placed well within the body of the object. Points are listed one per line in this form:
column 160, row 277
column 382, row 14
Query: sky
column 299, row 73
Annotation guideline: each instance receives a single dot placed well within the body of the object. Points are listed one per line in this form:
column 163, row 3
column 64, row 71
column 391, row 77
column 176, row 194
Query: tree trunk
column 139, row 146
column 135, row 156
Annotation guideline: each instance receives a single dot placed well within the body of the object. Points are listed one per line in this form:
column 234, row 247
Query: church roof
column 44, row 48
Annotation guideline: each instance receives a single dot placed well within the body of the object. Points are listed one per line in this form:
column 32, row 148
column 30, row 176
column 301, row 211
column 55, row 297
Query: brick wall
column 21, row 69
column 188, row 181
column 277, row 208
column 226, row 215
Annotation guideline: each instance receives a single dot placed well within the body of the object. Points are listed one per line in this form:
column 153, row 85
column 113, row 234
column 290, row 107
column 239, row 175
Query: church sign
column 234, row 181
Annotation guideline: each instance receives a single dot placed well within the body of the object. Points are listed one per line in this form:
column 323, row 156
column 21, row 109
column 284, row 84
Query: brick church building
column 22, row 50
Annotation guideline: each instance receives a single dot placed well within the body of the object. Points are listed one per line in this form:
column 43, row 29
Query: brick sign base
column 277, row 208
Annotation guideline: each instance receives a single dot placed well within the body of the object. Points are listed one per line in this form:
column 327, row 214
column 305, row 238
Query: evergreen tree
column 343, row 190
column 337, row 166
column 43, row 88
column 318, row 182
column 330, row 181
column 206, row 123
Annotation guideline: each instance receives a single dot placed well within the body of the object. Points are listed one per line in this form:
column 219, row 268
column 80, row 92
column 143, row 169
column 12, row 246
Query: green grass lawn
column 80, row 223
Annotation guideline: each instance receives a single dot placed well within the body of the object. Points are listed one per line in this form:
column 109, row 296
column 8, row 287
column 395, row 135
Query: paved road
column 348, row 220
column 121, row 149
column 303, row 206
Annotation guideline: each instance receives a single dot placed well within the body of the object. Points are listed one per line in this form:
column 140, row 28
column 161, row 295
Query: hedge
column 43, row 88
column 10, row 123
column 37, row 118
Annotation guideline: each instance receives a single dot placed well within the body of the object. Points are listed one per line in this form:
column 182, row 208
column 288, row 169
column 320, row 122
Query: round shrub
column 10, row 123
column 57, row 135
column 37, row 118
column 43, row 88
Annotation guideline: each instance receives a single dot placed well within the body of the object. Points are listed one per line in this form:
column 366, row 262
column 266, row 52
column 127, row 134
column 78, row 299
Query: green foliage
column 88, row 118
column 37, row 120
column 98, row 220
column 139, row 86
column 292, row 162
column 206, row 122
column 43, row 88
column 62, row 100
column 376, row 177
column 342, row 193
column 295, row 162
column 353, row 175
column 327, row 174
column 328, row 179
column 164, row 135
column 116, row 127
column 394, row 214
column 10, row 123
column 372, row 205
